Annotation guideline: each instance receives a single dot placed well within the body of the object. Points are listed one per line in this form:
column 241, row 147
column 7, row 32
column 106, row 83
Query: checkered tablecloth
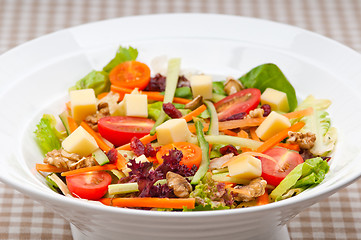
column 338, row 217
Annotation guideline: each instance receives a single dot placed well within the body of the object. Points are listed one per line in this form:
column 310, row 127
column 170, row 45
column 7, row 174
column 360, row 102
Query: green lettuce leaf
column 46, row 135
column 303, row 176
column 99, row 81
column 218, row 88
column 122, row 55
column 270, row 76
column 319, row 123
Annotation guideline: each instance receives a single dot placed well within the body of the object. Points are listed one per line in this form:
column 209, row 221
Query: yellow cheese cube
column 245, row 167
column 135, row 105
column 276, row 99
column 201, row 85
column 273, row 124
column 80, row 142
column 83, row 103
column 173, row 130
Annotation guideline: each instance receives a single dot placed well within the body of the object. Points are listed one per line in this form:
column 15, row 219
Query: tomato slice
column 120, row 130
column 192, row 154
column 131, row 74
column 90, row 185
column 275, row 172
column 242, row 101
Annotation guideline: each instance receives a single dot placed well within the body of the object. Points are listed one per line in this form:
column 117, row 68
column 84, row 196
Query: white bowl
column 35, row 76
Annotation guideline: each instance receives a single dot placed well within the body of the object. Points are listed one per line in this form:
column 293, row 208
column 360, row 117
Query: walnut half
column 304, row 140
column 249, row 192
column 70, row 161
column 181, row 187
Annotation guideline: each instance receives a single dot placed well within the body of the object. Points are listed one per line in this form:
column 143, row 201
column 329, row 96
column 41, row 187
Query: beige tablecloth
column 338, row 217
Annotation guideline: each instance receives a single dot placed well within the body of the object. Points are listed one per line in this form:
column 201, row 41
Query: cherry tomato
column 120, row 130
column 192, row 154
column 275, row 172
column 90, row 185
column 131, row 74
column 242, row 101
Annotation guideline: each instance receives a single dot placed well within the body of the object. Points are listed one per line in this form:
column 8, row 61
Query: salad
column 135, row 139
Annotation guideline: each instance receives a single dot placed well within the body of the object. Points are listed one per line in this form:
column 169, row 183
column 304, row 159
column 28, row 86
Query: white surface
column 312, row 63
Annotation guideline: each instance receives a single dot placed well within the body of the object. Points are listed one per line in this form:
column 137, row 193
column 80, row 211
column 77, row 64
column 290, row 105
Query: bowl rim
column 59, row 199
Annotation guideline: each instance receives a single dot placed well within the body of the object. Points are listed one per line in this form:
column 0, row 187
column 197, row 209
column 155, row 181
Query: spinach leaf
column 270, row 76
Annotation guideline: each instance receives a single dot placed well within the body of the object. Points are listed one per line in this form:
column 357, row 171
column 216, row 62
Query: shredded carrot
column 49, row 168
column 242, row 134
column 229, row 132
column 72, row 124
column 151, row 95
column 299, row 114
column 148, row 138
column 121, row 162
column 263, row 199
column 289, row 146
column 275, row 139
column 254, row 136
column 68, row 105
column 178, row 203
column 194, row 113
column 102, row 145
column 245, row 149
column 89, row 169
column 102, row 95
column 254, row 122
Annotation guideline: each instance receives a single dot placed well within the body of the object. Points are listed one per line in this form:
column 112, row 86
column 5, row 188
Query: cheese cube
column 276, row 99
column 245, row 167
column 201, row 85
column 134, row 105
column 273, row 124
column 83, row 103
column 80, row 142
column 173, row 130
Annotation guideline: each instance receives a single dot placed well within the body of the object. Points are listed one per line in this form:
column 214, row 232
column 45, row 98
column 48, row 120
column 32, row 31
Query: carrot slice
column 90, row 169
column 243, row 134
column 229, row 132
column 254, row 122
column 151, row 95
column 275, row 139
column 178, row 203
column 254, row 136
column 68, row 105
column 148, row 138
column 49, row 168
column 263, row 199
column 102, row 95
column 102, row 145
column 72, row 124
column 289, row 146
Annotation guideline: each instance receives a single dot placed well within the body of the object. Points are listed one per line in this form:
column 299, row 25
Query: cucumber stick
column 100, row 157
column 122, row 188
column 64, row 119
column 203, row 167
column 213, row 125
column 171, row 83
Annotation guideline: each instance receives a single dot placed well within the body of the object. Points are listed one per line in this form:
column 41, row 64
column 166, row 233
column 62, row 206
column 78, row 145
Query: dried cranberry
column 183, row 82
column 112, row 155
column 150, row 151
column 137, row 146
column 267, row 109
column 171, row 111
column 228, row 149
column 236, row 116
column 156, row 83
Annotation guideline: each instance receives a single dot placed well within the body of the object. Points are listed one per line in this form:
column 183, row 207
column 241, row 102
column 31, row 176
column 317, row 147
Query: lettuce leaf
column 303, row 176
column 270, row 76
column 46, row 135
column 319, row 123
column 122, row 55
column 99, row 81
